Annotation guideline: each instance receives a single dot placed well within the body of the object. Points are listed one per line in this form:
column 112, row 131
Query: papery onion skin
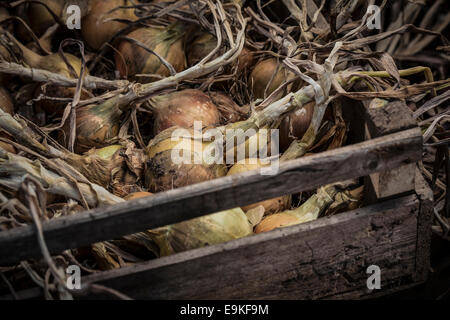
column 274, row 221
column 295, row 125
column 229, row 111
column 137, row 195
column 6, row 102
column 199, row 232
column 41, row 19
column 163, row 174
column 271, row 206
column 167, row 43
column 182, row 108
column 206, row 43
column 262, row 74
column 96, row 32
column 95, row 125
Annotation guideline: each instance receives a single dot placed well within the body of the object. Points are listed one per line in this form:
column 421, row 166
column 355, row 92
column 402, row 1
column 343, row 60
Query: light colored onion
column 95, row 31
column 131, row 59
column 262, row 74
column 182, row 108
column 164, row 174
column 270, row 206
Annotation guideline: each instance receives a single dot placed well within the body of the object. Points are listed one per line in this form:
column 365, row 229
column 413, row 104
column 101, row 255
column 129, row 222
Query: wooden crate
column 326, row 258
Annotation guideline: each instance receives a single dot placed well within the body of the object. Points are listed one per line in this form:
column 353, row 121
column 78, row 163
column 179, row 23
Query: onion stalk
column 14, row 168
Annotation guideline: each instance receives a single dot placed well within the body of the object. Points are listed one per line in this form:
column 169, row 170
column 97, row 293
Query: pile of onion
column 182, row 108
column 132, row 60
column 162, row 174
column 271, row 206
column 96, row 31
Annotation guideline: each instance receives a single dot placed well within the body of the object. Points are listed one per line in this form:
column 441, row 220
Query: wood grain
column 307, row 173
column 393, row 117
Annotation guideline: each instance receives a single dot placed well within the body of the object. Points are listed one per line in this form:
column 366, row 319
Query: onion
column 3, row 14
column 95, row 125
column 6, row 102
column 270, row 206
column 95, row 32
column 182, row 108
column 262, row 74
column 295, row 125
column 116, row 166
column 163, row 174
column 41, row 19
column 206, row 42
column 229, row 111
column 137, row 195
column 53, row 62
column 167, row 43
column 308, row 211
column 203, row 231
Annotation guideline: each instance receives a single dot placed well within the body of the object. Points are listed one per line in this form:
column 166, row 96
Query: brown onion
column 96, row 32
column 95, row 125
column 308, row 211
column 163, row 174
column 131, row 59
column 53, row 62
column 229, row 111
column 41, row 19
column 262, row 75
column 6, row 102
column 137, row 195
column 182, row 108
column 295, row 125
column 206, row 42
column 270, row 206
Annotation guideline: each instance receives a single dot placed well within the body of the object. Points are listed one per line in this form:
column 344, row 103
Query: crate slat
column 303, row 174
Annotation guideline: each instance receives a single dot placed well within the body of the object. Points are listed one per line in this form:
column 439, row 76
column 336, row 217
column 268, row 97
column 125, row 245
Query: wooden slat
column 186, row 203
column 425, row 221
column 393, row 117
column 326, row 258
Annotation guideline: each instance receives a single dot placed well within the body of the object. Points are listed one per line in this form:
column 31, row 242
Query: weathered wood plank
column 326, row 258
column 393, row 117
column 425, row 221
column 307, row 173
